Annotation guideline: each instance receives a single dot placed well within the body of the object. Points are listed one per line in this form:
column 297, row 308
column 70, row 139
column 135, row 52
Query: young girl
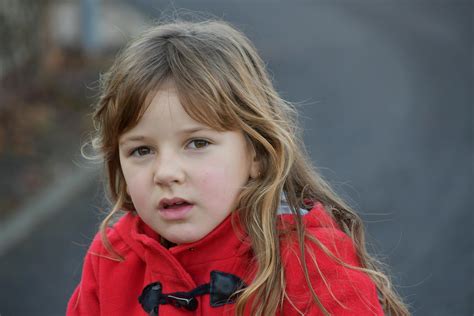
column 224, row 213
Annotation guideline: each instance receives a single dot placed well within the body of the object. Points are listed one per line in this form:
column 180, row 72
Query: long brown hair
column 222, row 82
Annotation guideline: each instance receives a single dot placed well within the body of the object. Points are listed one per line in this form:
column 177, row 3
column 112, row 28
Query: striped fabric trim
column 284, row 208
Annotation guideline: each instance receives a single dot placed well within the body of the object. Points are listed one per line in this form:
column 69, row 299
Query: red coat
column 110, row 287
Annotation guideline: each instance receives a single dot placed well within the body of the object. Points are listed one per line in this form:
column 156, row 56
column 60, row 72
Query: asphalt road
column 386, row 98
column 38, row 276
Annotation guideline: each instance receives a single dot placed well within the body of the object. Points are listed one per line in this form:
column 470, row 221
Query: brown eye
column 140, row 151
column 198, row 143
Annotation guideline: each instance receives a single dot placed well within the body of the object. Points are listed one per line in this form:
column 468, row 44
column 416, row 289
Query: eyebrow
column 186, row 131
column 195, row 129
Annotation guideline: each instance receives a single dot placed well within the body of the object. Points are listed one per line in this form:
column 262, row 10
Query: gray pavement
column 386, row 94
column 40, row 273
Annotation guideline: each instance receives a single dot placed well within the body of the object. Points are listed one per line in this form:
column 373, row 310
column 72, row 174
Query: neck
column 166, row 243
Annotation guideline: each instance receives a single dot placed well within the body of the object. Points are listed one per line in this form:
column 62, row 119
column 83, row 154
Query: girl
column 224, row 213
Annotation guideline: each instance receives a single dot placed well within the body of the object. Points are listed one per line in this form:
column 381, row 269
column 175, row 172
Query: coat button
column 192, row 249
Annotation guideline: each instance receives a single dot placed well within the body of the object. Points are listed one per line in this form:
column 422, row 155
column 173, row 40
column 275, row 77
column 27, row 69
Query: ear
column 255, row 167
column 255, row 170
column 255, row 161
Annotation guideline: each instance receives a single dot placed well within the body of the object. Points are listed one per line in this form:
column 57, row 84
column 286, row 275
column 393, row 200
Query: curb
column 43, row 205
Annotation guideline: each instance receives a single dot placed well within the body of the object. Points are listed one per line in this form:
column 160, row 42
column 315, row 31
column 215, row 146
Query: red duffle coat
column 111, row 287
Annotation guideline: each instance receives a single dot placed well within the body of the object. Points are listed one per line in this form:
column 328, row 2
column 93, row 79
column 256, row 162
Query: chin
column 182, row 238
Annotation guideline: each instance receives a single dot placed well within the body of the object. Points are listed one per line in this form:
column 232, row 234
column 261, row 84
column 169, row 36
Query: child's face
column 168, row 155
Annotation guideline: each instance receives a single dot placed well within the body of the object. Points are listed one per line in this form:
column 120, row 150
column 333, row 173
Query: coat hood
column 112, row 287
column 141, row 239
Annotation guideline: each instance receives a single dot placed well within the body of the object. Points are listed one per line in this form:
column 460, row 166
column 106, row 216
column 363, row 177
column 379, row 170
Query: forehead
column 165, row 100
column 172, row 97
column 165, row 108
column 165, row 115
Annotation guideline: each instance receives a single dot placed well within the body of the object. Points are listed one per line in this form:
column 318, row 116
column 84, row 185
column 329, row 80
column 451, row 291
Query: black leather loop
column 221, row 288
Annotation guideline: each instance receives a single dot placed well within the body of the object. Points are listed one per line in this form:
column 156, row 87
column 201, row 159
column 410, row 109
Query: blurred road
column 40, row 274
column 386, row 99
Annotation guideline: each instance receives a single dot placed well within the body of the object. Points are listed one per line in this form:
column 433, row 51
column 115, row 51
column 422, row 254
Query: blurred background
column 385, row 93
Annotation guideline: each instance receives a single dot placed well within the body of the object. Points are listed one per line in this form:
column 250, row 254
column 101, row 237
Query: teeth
column 177, row 203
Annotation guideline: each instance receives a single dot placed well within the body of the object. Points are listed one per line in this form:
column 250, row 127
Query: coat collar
column 143, row 240
column 225, row 241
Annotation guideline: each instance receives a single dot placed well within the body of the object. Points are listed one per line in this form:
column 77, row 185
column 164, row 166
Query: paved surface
column 386, row 93
column 39, row 275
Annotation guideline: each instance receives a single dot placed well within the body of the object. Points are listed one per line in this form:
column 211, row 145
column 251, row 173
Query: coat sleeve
column 341, row 290
column 85, row 299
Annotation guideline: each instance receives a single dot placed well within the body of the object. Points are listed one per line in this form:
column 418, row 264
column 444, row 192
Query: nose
column 168, row 170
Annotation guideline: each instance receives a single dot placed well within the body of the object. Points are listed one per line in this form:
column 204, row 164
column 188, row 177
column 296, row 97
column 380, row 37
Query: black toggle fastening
column 151, row 298
column 190, row 303
column 222, row 288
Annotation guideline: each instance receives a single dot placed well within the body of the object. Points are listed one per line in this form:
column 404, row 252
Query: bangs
column 212, row 78
column 133, row 96
column 204, row 92
column 205, row 108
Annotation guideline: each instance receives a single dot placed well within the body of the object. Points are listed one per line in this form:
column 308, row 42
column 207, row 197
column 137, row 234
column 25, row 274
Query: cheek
column 137, row 187
column 212, row 180
column 220, row 186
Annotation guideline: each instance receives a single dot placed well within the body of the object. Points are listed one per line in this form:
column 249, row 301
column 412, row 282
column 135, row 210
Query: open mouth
column 175, row 209
column 175, row 205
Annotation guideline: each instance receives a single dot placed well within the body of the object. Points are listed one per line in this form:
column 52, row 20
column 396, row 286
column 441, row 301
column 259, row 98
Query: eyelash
column 136, row 150
column 201, row 140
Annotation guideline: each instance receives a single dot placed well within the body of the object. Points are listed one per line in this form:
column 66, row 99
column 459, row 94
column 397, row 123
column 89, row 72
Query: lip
column 165, row 201
column 174, row 213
